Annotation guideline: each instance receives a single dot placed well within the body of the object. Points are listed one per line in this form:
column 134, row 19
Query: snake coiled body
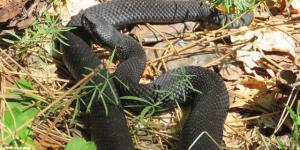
column 209, row 106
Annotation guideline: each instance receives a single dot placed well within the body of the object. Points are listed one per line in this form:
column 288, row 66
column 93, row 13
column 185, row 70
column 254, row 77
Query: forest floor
column 40, row 104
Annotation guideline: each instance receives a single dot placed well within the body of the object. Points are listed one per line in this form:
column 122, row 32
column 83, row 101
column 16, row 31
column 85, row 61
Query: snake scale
column 100, row 23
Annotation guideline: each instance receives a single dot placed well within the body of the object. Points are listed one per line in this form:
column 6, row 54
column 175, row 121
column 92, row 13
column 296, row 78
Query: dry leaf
column 297, row 60
column 248, row 57
column 296, row 4
column 10, row 8
column 25, row 23
column 230, row 136
column 269, row 40
column 254, row 84
column 46, row 73
column 231, row 72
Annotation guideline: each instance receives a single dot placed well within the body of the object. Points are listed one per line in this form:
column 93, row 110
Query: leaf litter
column 250, row 60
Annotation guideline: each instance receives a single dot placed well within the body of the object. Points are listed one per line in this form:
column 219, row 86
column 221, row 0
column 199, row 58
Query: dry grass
column 254, row 112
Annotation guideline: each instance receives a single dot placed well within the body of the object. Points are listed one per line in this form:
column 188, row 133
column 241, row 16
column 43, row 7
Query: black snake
column 209, row 107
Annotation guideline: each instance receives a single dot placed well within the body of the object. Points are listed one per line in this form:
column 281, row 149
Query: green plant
column 55, row 2
column 239, row 5
column 18, row 111
column 80, row 144
column 182, row 81
column 96, row 88
column 42, row 32
column 295, row 116
column 294, row 138
column 148, row 110
column 149, row 106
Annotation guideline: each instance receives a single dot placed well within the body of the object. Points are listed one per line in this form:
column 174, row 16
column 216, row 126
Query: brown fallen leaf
column 10, row 8
column 231, row 72
column 254, row 84
column 25, row 23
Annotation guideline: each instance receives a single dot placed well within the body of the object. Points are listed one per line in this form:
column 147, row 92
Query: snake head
column 101, row 31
